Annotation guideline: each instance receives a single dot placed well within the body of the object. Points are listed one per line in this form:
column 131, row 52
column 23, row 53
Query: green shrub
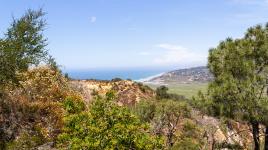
column 143, row 87
column 190, row 137
column 226, row 145
column 186, row 144
column 161, row 92
column 145, row 110
column 106, row 126
column 26, row 141
column 73, row 105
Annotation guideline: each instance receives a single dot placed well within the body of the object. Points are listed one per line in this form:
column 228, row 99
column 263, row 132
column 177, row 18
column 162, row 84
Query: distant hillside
column 189, row 75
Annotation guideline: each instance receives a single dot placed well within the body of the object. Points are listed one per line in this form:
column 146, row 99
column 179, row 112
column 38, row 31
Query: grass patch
column 187, row 89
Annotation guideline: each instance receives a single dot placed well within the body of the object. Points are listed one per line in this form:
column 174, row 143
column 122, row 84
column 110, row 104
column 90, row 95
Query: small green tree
column 22, row 46
column 161, row 92
column 169, row 114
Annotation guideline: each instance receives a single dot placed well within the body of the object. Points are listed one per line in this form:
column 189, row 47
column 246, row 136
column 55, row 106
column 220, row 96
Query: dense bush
column 106, row 126
column 145, row 110
column 203, row 103
column 161, row 92
column 35, row 108
column 44, row 84
column 26, row 141
column 21, row 47
column 74, row 104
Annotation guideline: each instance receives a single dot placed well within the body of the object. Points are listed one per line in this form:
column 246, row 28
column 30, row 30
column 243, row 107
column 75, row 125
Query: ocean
column 137, row 74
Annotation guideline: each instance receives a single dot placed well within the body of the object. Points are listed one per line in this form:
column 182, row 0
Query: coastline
column 147, row 79
column 135, row 75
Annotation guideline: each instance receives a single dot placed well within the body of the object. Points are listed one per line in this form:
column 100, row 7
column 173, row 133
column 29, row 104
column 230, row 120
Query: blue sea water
column 135, row 74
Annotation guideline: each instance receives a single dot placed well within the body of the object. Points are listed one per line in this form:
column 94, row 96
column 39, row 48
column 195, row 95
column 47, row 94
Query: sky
column 114, row 34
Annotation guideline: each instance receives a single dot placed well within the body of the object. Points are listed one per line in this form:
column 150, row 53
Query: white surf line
column 149, row 78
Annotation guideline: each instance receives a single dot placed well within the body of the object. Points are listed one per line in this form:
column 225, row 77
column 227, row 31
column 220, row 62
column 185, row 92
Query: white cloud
column 93, row 19
column 176, row 54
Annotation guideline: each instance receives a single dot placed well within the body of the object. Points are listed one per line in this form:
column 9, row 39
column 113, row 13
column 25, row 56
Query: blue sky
column 138, row 33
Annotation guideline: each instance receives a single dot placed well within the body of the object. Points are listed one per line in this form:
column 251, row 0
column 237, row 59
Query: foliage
column 168, row 116
column 44, row 84
column 226, row 145
column 26, row 141
column 143, row 88
column 22, row 46
column 240, row 68
column 203, row 103
column 190, row 137
column 43, row 108
column 145, row 110
column 73, row 104
column 186, row 89
column 164, row 115
column 116, row 80
column 239, row 80
column 161, row 92
column 106, row 126
column 35, row 104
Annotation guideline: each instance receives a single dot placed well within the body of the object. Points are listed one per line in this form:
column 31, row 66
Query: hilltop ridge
column 128, row 92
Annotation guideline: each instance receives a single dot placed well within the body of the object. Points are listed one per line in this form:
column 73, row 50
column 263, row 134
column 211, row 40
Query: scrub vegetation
column 41, row 108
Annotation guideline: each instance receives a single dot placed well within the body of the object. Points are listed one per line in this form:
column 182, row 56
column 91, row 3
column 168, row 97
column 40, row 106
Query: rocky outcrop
column 227, row 134
column 128, row 92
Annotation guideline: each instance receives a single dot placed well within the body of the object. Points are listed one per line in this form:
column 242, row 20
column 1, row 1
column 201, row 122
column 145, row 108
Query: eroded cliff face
column 228, row 132
column 128, row 92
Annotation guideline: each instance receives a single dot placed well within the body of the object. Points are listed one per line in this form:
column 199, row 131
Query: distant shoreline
column 135, row 75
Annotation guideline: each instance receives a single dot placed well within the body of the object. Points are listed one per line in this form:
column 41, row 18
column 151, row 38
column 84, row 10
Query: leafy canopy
column 23, row 45
column 240, row 68
column 106, row 126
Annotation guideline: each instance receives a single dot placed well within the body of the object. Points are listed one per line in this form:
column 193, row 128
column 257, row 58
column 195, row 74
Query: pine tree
column 240, row 68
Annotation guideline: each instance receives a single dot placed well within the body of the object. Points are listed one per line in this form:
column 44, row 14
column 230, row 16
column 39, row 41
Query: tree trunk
column 169, row 140
column 266, row 139
column 2, row 133
column 255, row 133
